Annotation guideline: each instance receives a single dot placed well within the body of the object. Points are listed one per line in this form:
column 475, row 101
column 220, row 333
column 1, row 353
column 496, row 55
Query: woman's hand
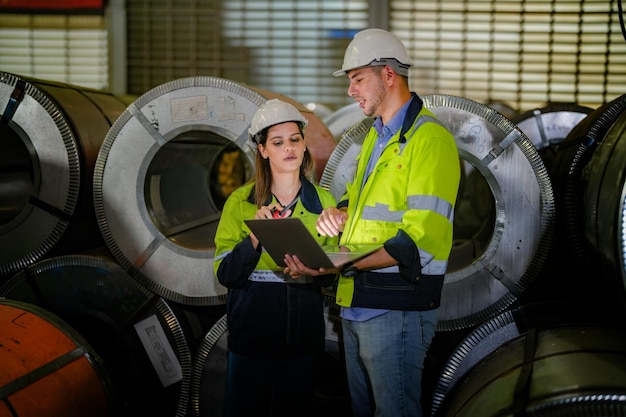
column 268, row 212
column 271, row 212
column 296, row 268
column 254, row 240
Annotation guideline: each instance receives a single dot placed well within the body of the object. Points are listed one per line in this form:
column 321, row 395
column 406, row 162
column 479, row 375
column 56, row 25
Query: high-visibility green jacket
column 269, row 314
column 407, row 202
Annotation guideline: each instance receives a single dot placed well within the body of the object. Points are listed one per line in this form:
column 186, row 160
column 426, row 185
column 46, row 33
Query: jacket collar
column 411, row 114
column 308, row 197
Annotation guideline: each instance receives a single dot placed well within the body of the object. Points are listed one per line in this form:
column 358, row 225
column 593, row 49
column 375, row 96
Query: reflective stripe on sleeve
column 223, row 255
column 432, row 203
column 414, row 202
column 271, row 276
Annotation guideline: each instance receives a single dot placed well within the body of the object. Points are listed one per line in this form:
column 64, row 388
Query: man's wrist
column 349, row 271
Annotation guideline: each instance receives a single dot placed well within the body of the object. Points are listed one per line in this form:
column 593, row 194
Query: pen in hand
column 278, row 214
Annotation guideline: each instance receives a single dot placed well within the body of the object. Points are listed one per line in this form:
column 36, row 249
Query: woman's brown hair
column 263, row 172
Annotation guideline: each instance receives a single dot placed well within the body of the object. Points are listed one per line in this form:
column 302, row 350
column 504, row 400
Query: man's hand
column 331, row 221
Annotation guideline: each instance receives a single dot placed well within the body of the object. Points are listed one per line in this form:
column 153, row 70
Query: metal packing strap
column 14, row 101
column 25, row 380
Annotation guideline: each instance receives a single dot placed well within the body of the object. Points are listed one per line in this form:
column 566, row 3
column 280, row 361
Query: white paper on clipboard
column 159, row 350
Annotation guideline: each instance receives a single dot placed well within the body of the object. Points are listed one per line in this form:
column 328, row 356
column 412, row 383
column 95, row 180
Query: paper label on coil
column 159, row 350
column 189, row 108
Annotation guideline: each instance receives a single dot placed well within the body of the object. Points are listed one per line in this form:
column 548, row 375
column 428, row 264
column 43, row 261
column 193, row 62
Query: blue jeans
column 384, row 362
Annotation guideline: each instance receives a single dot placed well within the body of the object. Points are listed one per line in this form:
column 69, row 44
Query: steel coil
column 548, row 126
column 341, row 120
column 51, row 135
column 118, row 317
column 503, row 108
column 48, row 368
column 604, row 191
column 488, row 337
column 163, row 173
column 565, row 370
column 567, row 172
column 208, row 379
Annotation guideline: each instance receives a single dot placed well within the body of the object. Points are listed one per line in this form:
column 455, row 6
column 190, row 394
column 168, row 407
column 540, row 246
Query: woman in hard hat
column 275, row 321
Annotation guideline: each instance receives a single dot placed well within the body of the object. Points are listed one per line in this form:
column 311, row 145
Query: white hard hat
column 373, row 47
column 273, row 112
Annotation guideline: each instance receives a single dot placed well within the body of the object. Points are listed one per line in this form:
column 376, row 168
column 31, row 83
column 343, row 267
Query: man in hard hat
column 403, row 194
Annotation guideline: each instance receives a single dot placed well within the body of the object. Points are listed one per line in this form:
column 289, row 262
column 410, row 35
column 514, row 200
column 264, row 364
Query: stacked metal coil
column 164, row 171
column 51, row 134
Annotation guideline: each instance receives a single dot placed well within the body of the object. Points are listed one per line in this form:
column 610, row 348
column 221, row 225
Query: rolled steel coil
column 163, row 173
column 48, row 368
column 51, row 135
column 567, row 172
column 208, row 379
column 112, row 312
column 564, row 370
column 604, row 191
column 339, row 121
column 503, row 108
column 488, row 337
column 493, row 265
column 341, row 165
column 550, row 125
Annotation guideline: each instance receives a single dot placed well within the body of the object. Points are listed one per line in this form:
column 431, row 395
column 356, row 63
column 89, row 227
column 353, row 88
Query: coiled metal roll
column 51, row 134
column 164, row 171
